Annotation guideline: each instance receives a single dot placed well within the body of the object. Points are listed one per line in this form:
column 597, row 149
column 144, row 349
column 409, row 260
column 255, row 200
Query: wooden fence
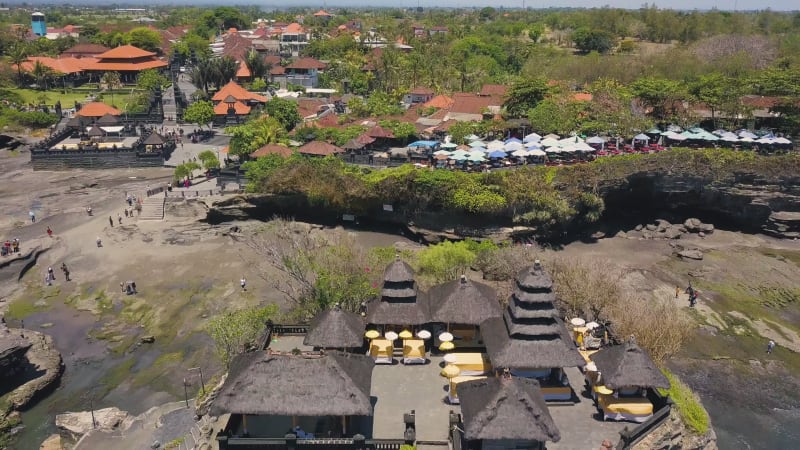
column 629, row 437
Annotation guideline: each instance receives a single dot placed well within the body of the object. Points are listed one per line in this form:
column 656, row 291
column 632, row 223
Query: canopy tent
column 514, row 140
column 533, row 137
column 426, row 144
column 495, row 145
column 595, row 140
column 641, row 137
column 498, row 154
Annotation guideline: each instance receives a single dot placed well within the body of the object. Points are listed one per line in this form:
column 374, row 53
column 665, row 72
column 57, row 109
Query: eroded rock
column 691, row 254
column 73, row 425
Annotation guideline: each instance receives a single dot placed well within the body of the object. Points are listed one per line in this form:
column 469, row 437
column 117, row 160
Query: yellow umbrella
column 600, row 389
column 446, row 346
column 450, row 371
column 372, row 334
column 405, row 334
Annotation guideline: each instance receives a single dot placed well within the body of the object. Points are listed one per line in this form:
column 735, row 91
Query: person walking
column 119, row 218
column 243, row 282
column 111, row 221
column 770, row 346
column 33, row 216
column 677, row 291
column 65, row 270
column 49, row 232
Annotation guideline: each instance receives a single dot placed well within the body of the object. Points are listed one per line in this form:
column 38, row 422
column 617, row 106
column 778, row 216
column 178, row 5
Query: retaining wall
column 103, row 159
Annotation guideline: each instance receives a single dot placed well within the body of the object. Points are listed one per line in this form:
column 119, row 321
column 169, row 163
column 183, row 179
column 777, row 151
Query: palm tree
column 224, row 70
column 41, row 74
column 112, row 81
column 255, row 63
column 202, row 74
column 18, row 55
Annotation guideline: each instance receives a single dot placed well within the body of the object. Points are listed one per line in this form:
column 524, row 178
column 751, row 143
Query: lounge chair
column 635, row 409
column 381, row 350
column 452, row 392
column 414, row 351
column 472, row 363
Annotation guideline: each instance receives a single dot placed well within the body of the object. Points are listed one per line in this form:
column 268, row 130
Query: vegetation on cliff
column 688, row 404
column 544, row 197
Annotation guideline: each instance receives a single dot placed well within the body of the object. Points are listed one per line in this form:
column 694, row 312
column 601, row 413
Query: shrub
column 235, row 331
column 445, row 261
column 34, row 119
column 688, row 404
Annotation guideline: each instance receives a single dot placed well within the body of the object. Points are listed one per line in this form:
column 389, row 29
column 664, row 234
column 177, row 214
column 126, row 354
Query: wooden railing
column 629, row 437
column 292, row 443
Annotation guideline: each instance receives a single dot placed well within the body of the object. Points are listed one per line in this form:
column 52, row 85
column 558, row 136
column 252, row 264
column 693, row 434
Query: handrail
column 629, row 437
column 290, row 329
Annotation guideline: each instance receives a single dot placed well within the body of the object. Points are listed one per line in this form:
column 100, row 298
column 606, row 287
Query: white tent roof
column 533, row 137
column 495, row 145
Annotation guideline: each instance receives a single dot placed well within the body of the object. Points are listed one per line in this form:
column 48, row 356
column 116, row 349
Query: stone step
column 152, row 208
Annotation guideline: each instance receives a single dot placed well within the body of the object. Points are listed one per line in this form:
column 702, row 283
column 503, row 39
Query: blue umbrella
column 497, row 154
column 513, row 140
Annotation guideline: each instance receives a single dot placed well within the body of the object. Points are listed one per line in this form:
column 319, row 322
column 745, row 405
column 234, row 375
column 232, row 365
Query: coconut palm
column 224, row 70
column 18, row 55
column 42, row 74
column 255, row 63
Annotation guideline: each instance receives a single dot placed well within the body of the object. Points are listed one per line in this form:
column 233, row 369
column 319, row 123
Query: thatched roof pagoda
column 335, row 328
column 154, row 139
column 96, row 131
column 76, row 122
column 261, row 383
column 628, row 365
column 107, row 120
column 400, row 302
column 506, row 408
column 463, row 302
column 530, row 335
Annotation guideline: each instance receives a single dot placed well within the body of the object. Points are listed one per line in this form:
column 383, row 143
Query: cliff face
column 746, row 203
column 673, row 434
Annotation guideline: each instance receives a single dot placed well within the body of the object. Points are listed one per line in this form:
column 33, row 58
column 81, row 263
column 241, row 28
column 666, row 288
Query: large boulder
column 693, row 225
column 663, row 225
column 707, row 228
column 691, row 254
column 73, row 425
column 672, row 233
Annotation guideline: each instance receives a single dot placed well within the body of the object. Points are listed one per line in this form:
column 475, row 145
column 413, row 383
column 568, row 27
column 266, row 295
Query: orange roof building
column 126, row 58
column 323, row 13
column 441, row 101
column 97, row 109
column 272, row 149
column 319, row 148
column 239, row 93
column 239, row 108
column 65, row 66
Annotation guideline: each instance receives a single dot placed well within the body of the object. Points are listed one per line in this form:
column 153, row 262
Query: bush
column 446, row 261
column 33, row 119
column 688, row 404
column 234, row 332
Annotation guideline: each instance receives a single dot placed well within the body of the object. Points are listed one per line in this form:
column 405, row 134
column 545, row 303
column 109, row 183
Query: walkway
column 152, row 208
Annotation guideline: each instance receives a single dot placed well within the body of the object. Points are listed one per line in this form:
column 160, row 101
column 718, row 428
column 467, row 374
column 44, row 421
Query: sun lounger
column 556, row 393
column 381, row 350
column 414, row 351
column 452, row 393
column 472, row 363
column 636, row 409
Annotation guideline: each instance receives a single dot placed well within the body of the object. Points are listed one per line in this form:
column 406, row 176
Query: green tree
column 112, row 81
column 17, row 56
column 445, row 261
column 42, row 74
column 525, row 95
column 254, row 134
column 284, row 111
column 209, row 159
column 149, row 80
column 185, row 170
column 658, row 93
column 145, row 38
column 255, row 63
column 588, row 40
column 716, row 91
column 201, row 113
column 237, row 331
column 258, row 85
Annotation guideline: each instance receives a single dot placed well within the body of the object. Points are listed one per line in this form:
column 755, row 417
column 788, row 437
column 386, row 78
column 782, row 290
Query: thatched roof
column 628, row 365
column 334, row 328
column 408, row 311
column 398, row 271
column 506, row 408
column 260, row 383
column 75, row 122
column 529, row 352
column 352, row 144
column 108, row 120
column 534, row 279
column 530, row 327
column 463, row 302
column 525, row 298
column 398, row 290
column 154, row 139
column 96, row 132
column 540, row 311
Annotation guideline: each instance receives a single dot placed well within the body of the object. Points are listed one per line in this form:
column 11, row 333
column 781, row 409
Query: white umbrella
column 569, row 149
column 536, row 152
column 764, row 140
column 578, row 322
column 782, row 140
column 519, row 153
column 584, row 147
column 549, row 142
column 552, row 150
column 552, row 136
column 472, row 137
column 446, row 337
column 533, row 137
column 567, row 141
column 391, row 335
column 495, row 145
column 595, row 140
column 511, row 146
column 424, row 334
column 730, row 138
column 533, row 145
column 745, row 133
column 441, row 152
column 477, row 144
column 746, row 139
column 592, row 325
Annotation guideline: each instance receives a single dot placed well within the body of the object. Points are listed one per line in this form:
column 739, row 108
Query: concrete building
column 38, row 25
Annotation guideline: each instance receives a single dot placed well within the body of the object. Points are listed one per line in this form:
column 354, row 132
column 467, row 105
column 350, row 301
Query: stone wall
column 101, row 159
column 673, row 434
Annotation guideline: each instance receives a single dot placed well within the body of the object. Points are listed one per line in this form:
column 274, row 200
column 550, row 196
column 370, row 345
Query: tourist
column 99, row 242
column 89, row 210
column 129, row 199
column 33, row 216
column 49, row 232
column 65, row 270
column 7, row 247
column 243, row 282
column 15, row 245
column 111, row 221
column 126, row 212
column 770, row 346
column 677, row 291
column 119, row 218
column 47, row 280
column 51, row 274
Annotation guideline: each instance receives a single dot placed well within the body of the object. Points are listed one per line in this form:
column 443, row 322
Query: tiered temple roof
column 400, row 302
column 530, row 335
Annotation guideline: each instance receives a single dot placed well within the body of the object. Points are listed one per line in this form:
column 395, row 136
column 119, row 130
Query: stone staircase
column 152, row 208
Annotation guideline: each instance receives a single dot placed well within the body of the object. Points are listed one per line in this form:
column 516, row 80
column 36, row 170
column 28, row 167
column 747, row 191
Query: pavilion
column 463, row 305
column 96, row 110
column 268, row 395
column 127, row 60
column 530, row 339
column 400, row 303
column 506, row 413
column 336, row 328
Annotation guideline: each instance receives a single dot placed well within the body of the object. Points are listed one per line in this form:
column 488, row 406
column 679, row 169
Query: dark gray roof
column 153, row 139
column 353, row 144
column 335, row 328
column 403, row 291
column 260, row 383
column 96, row 132
column 529, row 352
column 506, row 408
column 75, row 122
column 530, row 328
column 463, row 302
column 525, row 298
column 628, row 365
column 408, row 311
column 108, row 120
column 534, row 279
column 542, row 310
column 398, row 271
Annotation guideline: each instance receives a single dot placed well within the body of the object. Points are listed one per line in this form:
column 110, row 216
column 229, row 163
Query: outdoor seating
column 472, row 363
column 381, row 350
column 414, row 351
column 636, row 409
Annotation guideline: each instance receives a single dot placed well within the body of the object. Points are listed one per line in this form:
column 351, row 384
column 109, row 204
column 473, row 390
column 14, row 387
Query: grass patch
column 788, row 255
column 49, row 97
column 175, row 443
column 154, row 374
column 688, row 404
column 21, row 309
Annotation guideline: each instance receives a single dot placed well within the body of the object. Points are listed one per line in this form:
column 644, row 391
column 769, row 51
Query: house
column 441, row 101
column 96, row 110
column 319, row 148
column 293, row 39
column 323, row 16
column 418, row 95
column 127, row 60
column 85, row 50
column 72, row 31
column 302, row 71
column 472, row 107
column 493, row 90
column 438, row 30
column 418, row 30
column 240, row 94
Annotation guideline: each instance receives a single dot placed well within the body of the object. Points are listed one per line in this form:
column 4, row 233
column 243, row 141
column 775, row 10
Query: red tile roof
column 306, row 64
column 470, row 103
column 66, row 66
column 238, row 92
column 277, row 70
column 236, row 46
column 379, row 132
column 85, row 49
column 97, row 109
column 243, row 71
column 494, row 89
column 323, row 13
column 125, row 52
column 126, row 66
column 293, row 28
column 440, row 101
column 221, row 109
column 272, row 149
column 319, row 148
column 272, row 59
column 421, row 91
column 309, row 106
